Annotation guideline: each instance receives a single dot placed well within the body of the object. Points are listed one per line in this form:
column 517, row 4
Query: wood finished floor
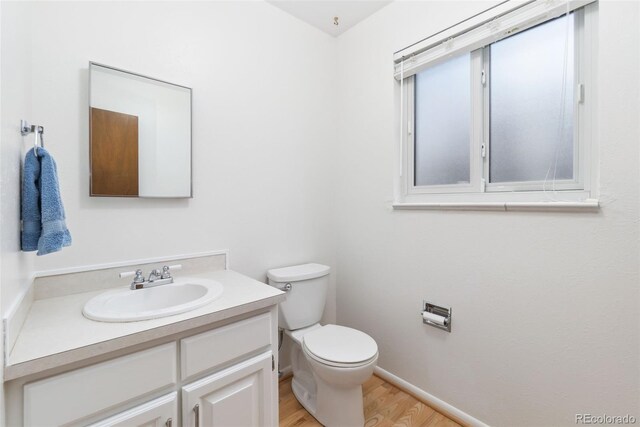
column 384, row 406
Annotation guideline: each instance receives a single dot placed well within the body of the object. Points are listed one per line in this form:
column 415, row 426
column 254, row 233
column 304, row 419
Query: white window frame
column 576, row 194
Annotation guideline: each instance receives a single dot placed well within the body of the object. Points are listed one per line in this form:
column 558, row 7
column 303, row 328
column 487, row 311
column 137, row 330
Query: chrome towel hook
column 38, row 131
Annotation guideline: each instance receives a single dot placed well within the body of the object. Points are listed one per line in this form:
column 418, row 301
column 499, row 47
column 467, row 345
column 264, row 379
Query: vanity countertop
column 55, row 333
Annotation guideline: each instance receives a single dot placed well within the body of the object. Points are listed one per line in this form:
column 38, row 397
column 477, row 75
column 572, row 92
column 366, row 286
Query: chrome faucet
column 156, row 277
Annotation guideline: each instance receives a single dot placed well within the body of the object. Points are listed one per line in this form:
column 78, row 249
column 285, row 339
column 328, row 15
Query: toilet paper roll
column 438, row 320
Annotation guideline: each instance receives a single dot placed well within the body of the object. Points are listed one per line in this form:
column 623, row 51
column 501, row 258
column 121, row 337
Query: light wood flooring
column 384, row 406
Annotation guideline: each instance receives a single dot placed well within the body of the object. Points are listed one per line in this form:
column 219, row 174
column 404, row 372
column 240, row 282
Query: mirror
column 140, row 135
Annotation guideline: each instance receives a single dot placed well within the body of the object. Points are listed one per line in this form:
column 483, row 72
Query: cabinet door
column 237, row 396
column 161, row 412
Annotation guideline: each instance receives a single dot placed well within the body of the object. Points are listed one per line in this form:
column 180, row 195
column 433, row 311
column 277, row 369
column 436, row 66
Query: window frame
column 575, row 193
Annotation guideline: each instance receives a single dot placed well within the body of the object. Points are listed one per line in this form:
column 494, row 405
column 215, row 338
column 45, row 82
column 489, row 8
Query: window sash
column 475, row 135
column 479, row 135
column 579, row 153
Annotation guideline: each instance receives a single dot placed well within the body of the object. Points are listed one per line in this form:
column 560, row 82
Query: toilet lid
column 340, row 344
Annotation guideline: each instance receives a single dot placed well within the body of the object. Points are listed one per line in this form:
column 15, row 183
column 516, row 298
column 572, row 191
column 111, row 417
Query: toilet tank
column 305, row 297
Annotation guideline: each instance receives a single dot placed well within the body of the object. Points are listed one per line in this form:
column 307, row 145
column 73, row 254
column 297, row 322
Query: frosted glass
column 442, row 117
column 531, row 123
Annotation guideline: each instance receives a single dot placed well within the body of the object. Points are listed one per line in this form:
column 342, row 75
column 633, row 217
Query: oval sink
column 125, row 305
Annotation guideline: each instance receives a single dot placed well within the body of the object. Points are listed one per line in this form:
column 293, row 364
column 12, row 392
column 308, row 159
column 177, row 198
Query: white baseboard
column 437, row 404
column 285, row 371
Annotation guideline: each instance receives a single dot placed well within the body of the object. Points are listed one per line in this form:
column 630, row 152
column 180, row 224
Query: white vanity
column 215, row 365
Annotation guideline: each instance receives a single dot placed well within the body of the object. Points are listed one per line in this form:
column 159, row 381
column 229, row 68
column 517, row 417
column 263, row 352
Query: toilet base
column 339, row 407
column 303, row 391
column 332, row 407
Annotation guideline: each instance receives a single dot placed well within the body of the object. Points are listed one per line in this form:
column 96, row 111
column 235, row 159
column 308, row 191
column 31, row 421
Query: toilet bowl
column 330, row 363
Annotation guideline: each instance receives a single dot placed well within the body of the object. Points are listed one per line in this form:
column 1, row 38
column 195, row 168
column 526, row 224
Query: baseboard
column 285, row 373
column 440, row 405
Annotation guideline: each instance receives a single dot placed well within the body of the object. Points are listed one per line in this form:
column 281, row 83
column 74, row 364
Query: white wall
column 15, row 96
column 546, row 306
column 1, row 169
column 263, row 129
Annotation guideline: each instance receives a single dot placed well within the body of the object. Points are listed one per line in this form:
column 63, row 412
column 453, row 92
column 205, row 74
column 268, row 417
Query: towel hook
column 26, row 129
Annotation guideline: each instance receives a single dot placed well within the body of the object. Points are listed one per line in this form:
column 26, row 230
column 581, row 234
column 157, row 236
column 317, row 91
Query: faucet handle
column 139, row 278
column 166, row 270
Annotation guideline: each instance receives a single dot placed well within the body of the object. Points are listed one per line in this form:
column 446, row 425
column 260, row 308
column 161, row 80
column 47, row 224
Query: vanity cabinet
column 218, row 376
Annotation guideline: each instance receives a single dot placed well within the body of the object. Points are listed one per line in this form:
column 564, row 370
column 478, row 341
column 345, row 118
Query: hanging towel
column 43, row 220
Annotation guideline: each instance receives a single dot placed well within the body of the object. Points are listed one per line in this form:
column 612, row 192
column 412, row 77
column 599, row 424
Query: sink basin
column 126, row 305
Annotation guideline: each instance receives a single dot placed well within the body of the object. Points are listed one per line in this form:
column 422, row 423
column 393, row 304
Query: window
column 531, row 98
column 442, row 100
column 499, row 121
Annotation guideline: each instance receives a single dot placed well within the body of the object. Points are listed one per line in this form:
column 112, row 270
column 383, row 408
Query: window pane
column 532, row 104
column 442, row 111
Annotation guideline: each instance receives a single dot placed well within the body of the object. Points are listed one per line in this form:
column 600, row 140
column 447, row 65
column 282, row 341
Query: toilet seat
column 338, row 364
column 340, row 346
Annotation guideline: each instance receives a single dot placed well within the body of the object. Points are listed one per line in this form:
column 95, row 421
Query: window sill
column 589, row 205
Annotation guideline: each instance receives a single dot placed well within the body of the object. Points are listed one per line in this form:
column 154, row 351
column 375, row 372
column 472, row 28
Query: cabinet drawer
column 72, row 396
column 208, row 350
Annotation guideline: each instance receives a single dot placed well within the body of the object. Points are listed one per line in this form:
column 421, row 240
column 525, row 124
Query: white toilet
column 329, row 362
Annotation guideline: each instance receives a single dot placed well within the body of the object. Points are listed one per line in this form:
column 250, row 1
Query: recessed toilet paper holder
column 438, row 317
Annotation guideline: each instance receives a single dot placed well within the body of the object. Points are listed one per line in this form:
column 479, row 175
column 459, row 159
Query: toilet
column 330, row 363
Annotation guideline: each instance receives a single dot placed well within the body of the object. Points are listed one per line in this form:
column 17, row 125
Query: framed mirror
column 140, row 135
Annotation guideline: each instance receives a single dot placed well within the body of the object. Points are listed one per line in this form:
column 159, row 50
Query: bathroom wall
column 263, row 129
column 16, row 267
column 546, row 306
column 1, row 169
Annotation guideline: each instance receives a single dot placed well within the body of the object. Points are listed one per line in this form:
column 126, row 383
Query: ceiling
column 321, row 13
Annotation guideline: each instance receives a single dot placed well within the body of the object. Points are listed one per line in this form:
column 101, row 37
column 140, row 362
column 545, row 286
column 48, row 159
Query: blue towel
column 43, row 225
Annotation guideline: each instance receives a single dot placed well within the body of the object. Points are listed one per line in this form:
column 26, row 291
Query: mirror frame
column 190, row 196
